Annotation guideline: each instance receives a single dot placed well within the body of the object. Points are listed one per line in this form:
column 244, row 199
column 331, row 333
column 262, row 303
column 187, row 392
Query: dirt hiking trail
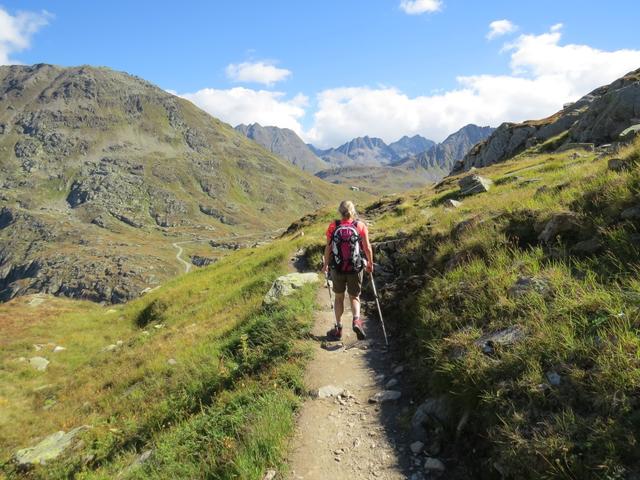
column 340, row 434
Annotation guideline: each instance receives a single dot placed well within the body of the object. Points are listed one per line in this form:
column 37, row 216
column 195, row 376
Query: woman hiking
column 347, row 254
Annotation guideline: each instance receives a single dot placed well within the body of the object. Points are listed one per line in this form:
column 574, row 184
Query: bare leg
column 355, row 306
column 339, row 307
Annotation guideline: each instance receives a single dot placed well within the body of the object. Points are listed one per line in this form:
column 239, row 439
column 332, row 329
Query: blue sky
column 332, row 70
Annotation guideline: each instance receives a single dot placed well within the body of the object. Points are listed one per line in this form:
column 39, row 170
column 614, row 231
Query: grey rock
column 632, row 213
column 588, row 247
column 172, row 361
column 525, row 285
column 416, row 447
column 432, row 464
column 560, row 223
column 554, row 378
column 58, row 349
column 473, row 184
column 329, row 391
column 506, row 337
column 269, row 475
column 286, row 285
column 385, row 396
column 433, row 411
column 617, row 165
column 39, row 363
column 49, row 448
column 391, row 383
column 450, row 203
column 398, row 370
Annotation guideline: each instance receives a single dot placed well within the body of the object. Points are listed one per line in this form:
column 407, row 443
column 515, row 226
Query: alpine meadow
column 284, row 241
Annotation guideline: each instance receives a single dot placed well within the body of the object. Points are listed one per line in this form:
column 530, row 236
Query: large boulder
column 287, row 285
column 48, row 449
column 472, row 184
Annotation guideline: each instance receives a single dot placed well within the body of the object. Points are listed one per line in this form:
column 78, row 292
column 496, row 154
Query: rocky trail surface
column 350, row 428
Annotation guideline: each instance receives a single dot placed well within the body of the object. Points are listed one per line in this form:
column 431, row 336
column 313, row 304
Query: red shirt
column 361, row 228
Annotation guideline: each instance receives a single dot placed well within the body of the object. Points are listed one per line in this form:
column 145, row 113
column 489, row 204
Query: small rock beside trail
column 385, row 396
column 434, row 465
column 391, row 383
column 48, row 449
column 329, row 391
column 269, row 475
column 39, row 363
column 287, row 285
column 416, row 447
column 472, row 184
column 431, row 411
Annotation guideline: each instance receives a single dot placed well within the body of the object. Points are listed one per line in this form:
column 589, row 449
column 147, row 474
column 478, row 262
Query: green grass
column 585, row 328
column 235, row 360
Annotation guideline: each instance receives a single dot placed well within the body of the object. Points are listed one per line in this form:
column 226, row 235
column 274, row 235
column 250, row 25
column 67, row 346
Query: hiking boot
column 335, row 333
column 358, row 327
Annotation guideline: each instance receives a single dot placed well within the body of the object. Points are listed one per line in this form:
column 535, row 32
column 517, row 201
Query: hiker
column 348, row 254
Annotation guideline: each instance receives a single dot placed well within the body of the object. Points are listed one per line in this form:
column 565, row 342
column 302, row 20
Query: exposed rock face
column 284, row 143
column 97, row 165
column 287, row 285
column 599, row 117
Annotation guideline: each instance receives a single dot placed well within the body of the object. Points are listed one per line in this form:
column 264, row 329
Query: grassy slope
column 237, row 372
column 585, row 329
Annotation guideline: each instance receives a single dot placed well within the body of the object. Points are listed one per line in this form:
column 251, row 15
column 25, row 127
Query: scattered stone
column 554, row 378
column 172, row 361
column 588, row 247
column 416, row 447
column 329, row 391
column 385, row 396
column 39, row 363
column 58, row 349
column 119, row 343
column 525, row 285
column 48, row 449
column 398, row 370
column 618, row 165
column 287, row 285
column 432, row 410
column 472, row 184
column 432, row 464
column 632, row 213
column 391, row 383
column 505, row 337
column 566, row 222
column 451, row 203
column 110, row 348
column 270, row 475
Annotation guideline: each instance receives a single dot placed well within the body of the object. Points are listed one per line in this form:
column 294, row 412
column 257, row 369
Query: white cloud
column 262, row 72
column 497, row 28
column 418, row 7
column 16, row 32
column 545, row 74
column 244, row 105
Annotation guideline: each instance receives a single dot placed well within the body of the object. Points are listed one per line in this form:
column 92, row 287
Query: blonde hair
column 347, row 209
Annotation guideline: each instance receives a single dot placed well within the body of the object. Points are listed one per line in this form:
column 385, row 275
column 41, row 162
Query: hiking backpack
column 346, row 246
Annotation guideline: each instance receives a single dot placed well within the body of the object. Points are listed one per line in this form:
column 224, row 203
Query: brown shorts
column 351, row 282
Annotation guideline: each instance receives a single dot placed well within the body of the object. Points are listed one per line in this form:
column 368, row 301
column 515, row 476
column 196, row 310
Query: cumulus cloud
column 16, row 32
column 544, row 75
column 262, row 72
column 418, row 7
column 244, row 105
column 497, row 28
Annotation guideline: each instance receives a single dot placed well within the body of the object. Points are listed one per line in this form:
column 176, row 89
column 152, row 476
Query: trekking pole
column 375, row 294
column 326, row 276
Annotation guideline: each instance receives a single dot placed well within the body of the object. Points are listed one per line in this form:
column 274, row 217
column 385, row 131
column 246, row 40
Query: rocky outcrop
column 597, row 118
column 48, row 449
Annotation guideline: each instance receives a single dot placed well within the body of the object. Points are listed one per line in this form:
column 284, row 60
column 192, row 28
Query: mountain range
column 368, row 162
column 100, row 172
